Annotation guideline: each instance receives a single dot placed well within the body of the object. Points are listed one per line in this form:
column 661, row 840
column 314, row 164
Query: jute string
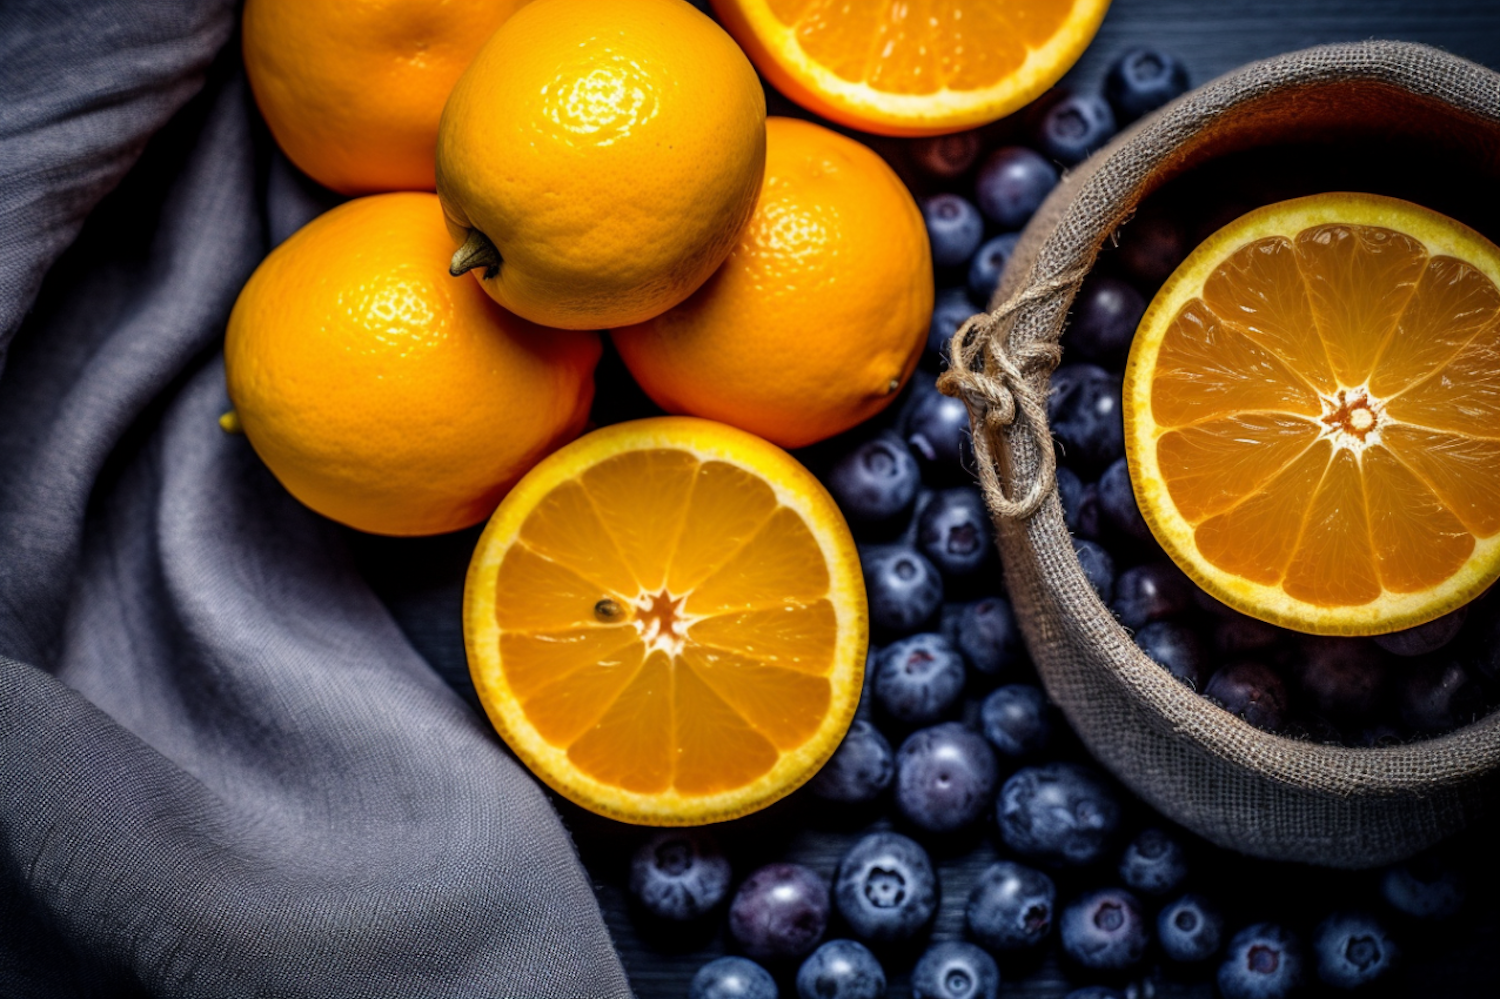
column 996, row 383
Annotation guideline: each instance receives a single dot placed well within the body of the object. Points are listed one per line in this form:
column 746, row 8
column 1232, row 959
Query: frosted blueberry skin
column 1069, row 492
column 1019, row 721
column 1152, row 591
column 1340, row 678
column 1425, row 639
column 937, row 431
column 859, row 770
column 1098, row 567
column 950, row 310
column 1074, row 127
column 885, row 888
column 1011, row 907
column 1154, row 863
column 1252, row 691
column 903, row 588
column 1012, row 184
column 877, row 481
column 1104, row 930
column 1176, row 648
column 955, row 970
column 780, row 911
column 841, row 969
column 1142, row 80
column 919, row 680
column 1104, row 319
column 1352, row 950
column 732, row 978
column 988, row 266
column 1095, row 992
column 679, row 874
column 1428, row 887
column 987, row 634
column 1190, row 929
column 1263, row 961
column 1117, row 503
column 1438, row 694
column 945, row 777
column 1058, row 813
column 954, row 228
column 1085, row 415
column 1151, row 248
column 953, row 531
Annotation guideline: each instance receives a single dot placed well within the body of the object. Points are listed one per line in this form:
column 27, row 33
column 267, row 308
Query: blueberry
column 1190, row 929
column 955, row 970
column 885, row 888
column 1019, row 721
column 1012, row 185
column 988, row 266
column 1095, row 992
column 903, row 588
column 1352, row 950
column 1151, row 247
column 1176, row 648
column 1084, row 410
column 859, row 769
column 1011, row 907
column 877, row 481
column 732, row 978
column 954, row 228
column 938, row 431
column 1263, row 962
column 780, row 911
column 1425, row 887
column 1074, row 127
column 1154, row 863
column 950, row 310
column 679, row 874
column 1105, row 315
column 1152, row 591
column 1059, row 813
column 1341, row 678
column 1117, row 502
column 1435, row 695
column 1104, row 930
column 1090, row 519
column 919, row 679
column 1098, row 567
column 1425, row 638
column 1069, row 492
column 946, row 156
column 1142, row 80
column 1235, row 634
column 1252, row 691
column 988, row 636
column 954, row 531
column 945, row 777
column 841, row 969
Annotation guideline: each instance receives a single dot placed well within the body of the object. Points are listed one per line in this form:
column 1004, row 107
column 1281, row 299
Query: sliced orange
column 1312, row 414
column 666, row 621
column 914, row 67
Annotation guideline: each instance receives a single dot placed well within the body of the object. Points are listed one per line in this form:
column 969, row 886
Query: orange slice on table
column 666, row 621
column 1312, row 414
column 919, row 67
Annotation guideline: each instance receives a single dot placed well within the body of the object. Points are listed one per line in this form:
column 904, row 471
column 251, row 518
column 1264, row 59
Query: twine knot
column 995, row 382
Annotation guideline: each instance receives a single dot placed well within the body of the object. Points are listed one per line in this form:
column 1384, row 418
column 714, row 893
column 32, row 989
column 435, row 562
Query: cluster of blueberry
column 956, row 747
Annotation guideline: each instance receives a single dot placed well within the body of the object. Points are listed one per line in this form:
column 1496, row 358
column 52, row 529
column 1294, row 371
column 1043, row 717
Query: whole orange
column 820, row 313
column 383, row 392
column 353, row 89
column 599, row 158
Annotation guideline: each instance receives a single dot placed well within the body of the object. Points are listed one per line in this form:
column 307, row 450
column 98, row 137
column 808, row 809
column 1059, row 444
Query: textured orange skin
column 386, row 394
column 353, row 89
column 610, row 149
column 818, row 316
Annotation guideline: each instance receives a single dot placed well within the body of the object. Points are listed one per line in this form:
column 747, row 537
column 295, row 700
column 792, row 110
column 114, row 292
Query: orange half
column 915, row 67
column 1312, row 414
column 666, row 621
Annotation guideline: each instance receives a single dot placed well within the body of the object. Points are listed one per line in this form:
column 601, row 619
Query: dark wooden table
column 422, row 582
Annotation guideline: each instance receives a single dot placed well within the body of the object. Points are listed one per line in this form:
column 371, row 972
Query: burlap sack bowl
column 1238, row 786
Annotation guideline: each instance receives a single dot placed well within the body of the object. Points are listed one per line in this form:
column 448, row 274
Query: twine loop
column 995, row 382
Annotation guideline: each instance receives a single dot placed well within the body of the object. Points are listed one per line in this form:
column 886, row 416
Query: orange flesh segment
column 921, row 46
column 749, row 585
column 1247, row 378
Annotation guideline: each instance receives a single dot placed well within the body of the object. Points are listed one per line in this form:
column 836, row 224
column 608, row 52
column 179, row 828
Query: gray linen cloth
column 224, row 771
